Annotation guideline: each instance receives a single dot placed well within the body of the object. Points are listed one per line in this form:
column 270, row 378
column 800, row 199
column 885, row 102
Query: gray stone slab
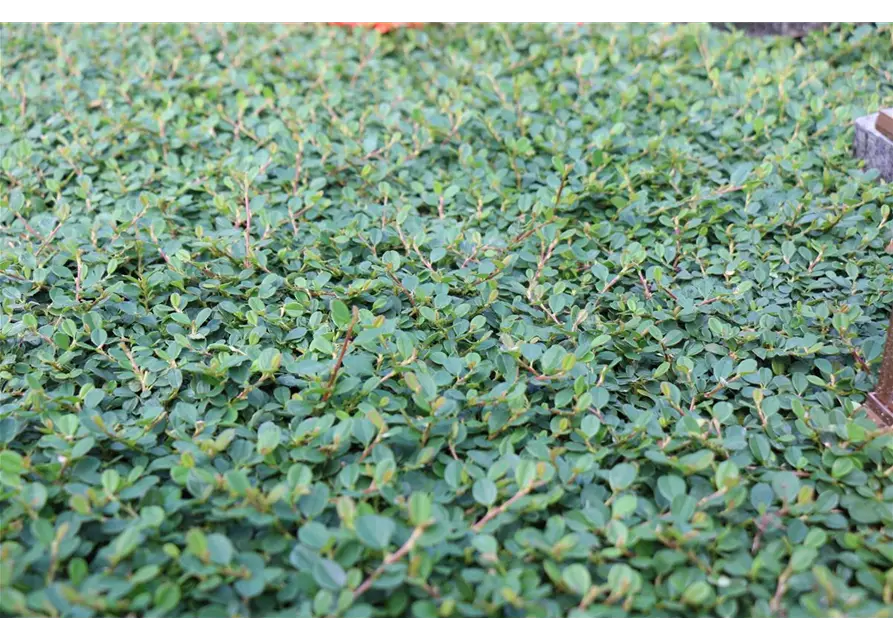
column 873, row 147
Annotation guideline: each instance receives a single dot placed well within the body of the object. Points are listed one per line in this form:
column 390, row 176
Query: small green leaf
column 727, row 475
column 785, row 484
column 622, row 476
column 167, row 596
column 269, row 361
column 237, row 481
column 144, row 574
column 82, row 447
column 802, row 558
column 420, row 508
column 340, row 313
column 697, row 461
column 328, row 574
column 624, row 506
column 197, row 543
column 484, row 491
column 11, row 462
column 374, row 531
column 16, row 200
column 525, row 473
column 746, row 367
column 220, row 549
column 125, row 543
column 698, row 593
column 577, row 578
column 375, row 418
column 842, row 467
column 268, row 437
column 110, row 481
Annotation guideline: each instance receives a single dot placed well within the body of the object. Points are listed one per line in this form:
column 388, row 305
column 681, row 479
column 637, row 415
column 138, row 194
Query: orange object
column 381, row 27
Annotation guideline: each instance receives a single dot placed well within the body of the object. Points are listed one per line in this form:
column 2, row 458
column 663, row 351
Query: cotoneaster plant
column 460, row 321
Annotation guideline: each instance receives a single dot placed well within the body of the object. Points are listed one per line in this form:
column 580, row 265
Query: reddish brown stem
column 391, row 559
column 545, row 254
column 347, row 340
column 247, row 229
column 645, row 286
column 78, row 277
column 614, row 281
column 495, row 511
column 28, row 227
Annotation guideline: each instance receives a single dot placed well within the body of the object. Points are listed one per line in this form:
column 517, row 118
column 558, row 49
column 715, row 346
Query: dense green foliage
column 473, row 321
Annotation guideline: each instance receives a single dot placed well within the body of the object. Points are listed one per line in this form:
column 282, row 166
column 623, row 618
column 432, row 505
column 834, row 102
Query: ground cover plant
column 459, row 321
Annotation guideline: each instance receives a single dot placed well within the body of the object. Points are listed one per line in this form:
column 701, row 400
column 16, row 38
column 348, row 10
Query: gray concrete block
column 873, row 146
column 793, row 29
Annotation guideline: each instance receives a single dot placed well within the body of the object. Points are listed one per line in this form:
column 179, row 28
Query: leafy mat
column 471, row 321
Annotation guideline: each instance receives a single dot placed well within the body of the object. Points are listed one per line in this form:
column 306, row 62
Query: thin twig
column 390, row 559
column 406, row 291
column 13, row 276
column 136, row 370
column 495, row 511
column 719, row 387
column 299, row 159
column 425, row 261
column 363, row 64
column 816, row 261
column 613, row 281
column 347, row 340
column 545, row 254
column 78, row 277
column 712, row 496
column 781, row 587
column 28, row 227
column 668, row 292
column 645, row 286
column 247, row 229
